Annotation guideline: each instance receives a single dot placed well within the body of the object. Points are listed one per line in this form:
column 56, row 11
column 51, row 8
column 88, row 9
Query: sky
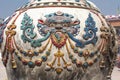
column 107, row 7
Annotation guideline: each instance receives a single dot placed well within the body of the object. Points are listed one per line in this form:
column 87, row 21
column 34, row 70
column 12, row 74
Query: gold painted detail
column 32, row 63
column 106, row 46
column 9, row 45
column 58, row 70
column 30, row 52
column 89, row 58
column 59, row 56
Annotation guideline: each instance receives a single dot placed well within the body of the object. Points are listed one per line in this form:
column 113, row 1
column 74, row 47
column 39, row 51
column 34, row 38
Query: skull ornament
column 58, row 40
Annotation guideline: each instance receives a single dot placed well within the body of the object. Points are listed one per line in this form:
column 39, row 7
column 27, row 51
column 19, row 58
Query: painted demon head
column 58, row 22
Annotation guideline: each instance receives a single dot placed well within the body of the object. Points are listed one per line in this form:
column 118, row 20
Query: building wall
column 116, row 24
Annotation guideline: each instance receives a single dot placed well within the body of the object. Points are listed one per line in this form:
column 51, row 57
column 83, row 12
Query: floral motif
column 29, row 34
column 90, row 31
column 28, row 27
column 89, row 36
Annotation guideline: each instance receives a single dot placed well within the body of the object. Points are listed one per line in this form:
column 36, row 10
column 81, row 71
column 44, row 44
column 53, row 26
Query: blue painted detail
column 58, row 18
column 24, row 53
column 48, row 53
column 77, row 0
column 37, row 43
column 90, row 30
column 80, row 53
column 29, row 34
column 51, row 18
column 85, row 65
column 62, row 14
column 36, row 53
column 58, row 37
column 27, row 27
column 92, row 54
column 41, row 28
column 31, row 64
column 76, row 27
column 89, row 36
column 78, row 42
column 44, row 58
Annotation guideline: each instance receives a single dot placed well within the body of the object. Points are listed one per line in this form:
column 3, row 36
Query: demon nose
column 58, row 27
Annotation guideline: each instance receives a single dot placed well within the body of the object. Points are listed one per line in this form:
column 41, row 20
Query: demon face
column 58, row 22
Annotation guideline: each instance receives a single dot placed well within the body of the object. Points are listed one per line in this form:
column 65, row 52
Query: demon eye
column 52, row 25
column 65, row 25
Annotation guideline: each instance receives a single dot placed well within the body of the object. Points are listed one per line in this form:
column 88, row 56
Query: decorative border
column 59, row 4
